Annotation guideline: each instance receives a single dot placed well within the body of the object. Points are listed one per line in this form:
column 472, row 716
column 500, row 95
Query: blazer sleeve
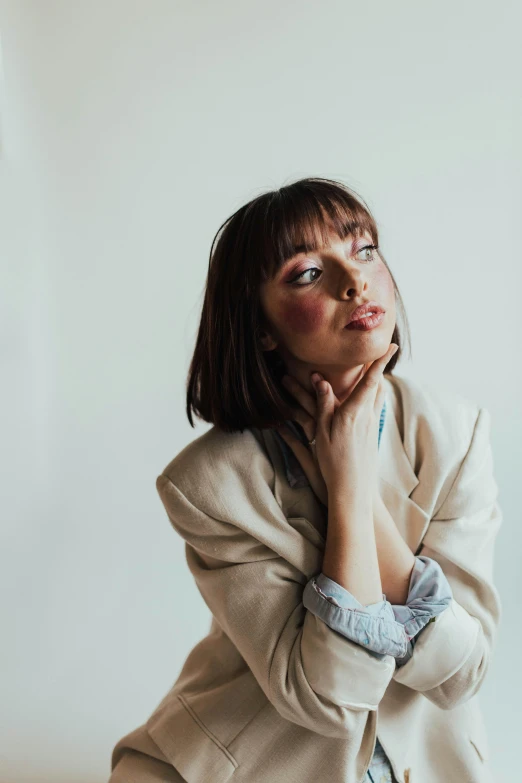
column 311, row 674
column 453, row 653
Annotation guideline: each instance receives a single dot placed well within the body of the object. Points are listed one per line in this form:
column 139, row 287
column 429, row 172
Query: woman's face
column 309, row 302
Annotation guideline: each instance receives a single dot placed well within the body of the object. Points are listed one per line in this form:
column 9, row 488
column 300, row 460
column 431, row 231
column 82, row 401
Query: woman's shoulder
column 220, row 483
column 220, row 463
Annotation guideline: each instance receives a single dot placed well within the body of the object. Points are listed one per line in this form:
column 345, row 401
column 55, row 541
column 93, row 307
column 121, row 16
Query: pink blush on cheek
column 303, row 317
column 384, row 282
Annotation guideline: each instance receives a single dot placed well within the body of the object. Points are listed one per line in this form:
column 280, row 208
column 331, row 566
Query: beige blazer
column 272, row 694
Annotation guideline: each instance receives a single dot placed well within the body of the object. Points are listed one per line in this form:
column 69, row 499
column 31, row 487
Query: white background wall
column 130, row 131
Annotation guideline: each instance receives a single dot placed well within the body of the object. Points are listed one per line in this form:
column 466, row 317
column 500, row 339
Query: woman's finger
column 306, row 414
column 335, row 397
column 325, row 409
column 304, row 398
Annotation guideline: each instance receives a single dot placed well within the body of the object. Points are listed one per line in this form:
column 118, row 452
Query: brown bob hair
column 232, row 382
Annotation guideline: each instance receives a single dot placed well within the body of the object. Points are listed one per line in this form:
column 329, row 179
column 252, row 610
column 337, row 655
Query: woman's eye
column 306, row 271
column 369, row 250
column 370, row 256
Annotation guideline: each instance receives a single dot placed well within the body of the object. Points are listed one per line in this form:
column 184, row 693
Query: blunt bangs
column 300, row 220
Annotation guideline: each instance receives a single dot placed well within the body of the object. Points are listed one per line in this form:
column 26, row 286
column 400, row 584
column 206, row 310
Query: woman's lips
column 365, row 324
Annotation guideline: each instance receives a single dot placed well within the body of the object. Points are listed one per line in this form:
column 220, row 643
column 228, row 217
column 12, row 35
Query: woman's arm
column 350, row 556
column 452, row 655
column 394, row 557
column 249, row 573
column 347, row 454
column 396, row 560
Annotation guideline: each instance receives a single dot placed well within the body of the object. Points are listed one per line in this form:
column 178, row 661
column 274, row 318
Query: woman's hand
column 355, row 410
column 346, row 436
column 306, row 416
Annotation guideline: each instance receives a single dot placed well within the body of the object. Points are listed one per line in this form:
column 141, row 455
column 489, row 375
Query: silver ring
column 311, row 442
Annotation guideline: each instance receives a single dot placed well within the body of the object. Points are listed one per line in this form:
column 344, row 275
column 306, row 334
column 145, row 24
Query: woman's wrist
column 350, row 554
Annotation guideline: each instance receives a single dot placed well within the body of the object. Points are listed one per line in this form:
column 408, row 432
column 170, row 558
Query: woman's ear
column 266, row 341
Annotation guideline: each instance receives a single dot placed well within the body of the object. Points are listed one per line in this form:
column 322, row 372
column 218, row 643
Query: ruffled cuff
column 381, row 627
column 429, row 594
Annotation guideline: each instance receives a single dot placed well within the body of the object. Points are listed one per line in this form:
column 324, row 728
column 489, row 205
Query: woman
column 339, row 523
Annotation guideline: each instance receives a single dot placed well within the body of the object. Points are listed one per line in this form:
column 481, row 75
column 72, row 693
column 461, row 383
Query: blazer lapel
column 397, row 479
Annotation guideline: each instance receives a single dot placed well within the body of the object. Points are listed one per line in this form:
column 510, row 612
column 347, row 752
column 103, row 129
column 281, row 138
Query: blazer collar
column 394, row 466
column 397, row 479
